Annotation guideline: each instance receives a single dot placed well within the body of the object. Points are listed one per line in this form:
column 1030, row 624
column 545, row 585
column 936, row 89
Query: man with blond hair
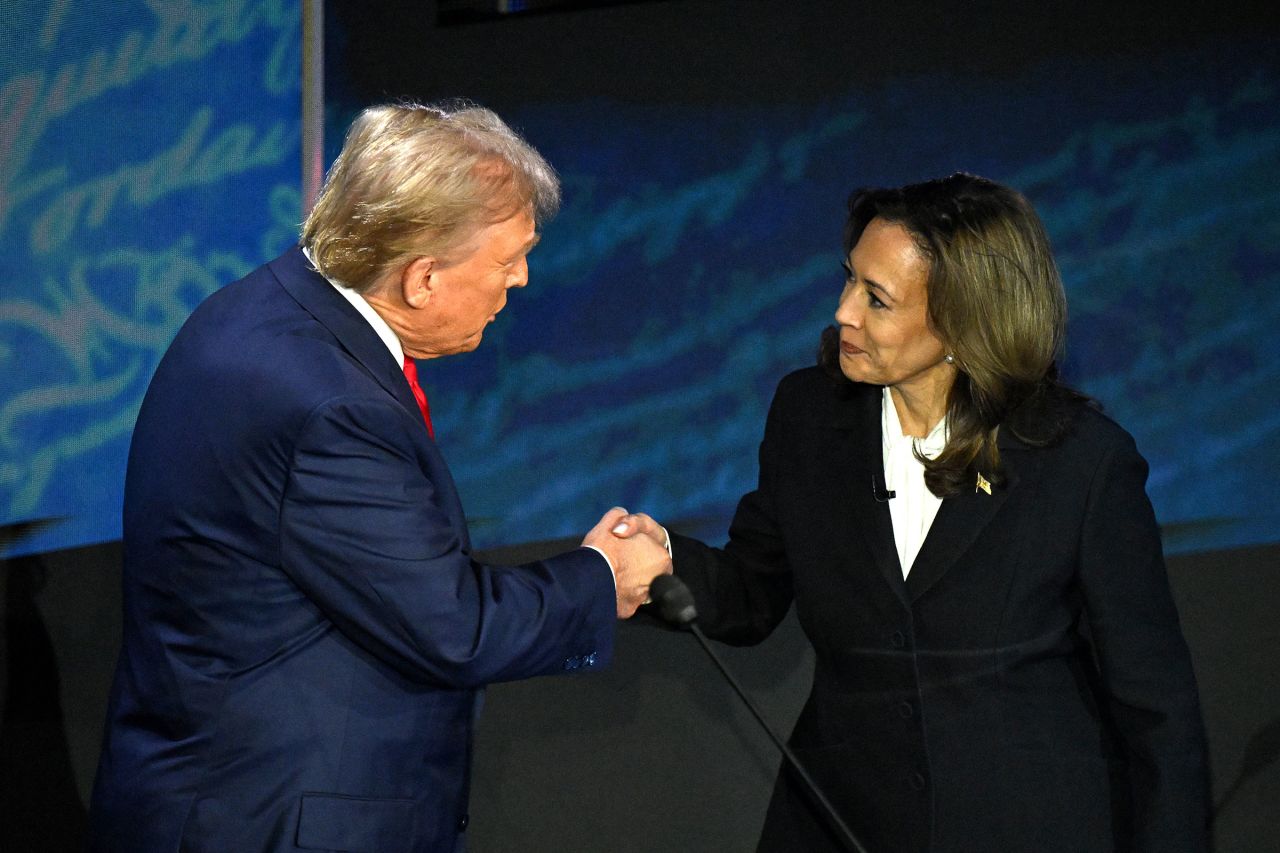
column 306, row 633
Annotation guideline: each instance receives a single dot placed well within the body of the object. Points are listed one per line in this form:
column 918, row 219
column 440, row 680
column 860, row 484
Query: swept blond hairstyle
column 417, row 180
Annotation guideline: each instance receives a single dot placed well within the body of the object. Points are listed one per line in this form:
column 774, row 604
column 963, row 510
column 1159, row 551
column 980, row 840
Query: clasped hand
column 636, row 546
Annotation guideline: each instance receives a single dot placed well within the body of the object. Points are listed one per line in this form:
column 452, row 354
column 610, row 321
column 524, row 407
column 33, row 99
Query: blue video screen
column 149, row 155
column 149, row 158
column 697, row 259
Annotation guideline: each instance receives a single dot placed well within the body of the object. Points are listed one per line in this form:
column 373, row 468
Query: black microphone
column 674, row 600
column 879, row 491
column 676, row 606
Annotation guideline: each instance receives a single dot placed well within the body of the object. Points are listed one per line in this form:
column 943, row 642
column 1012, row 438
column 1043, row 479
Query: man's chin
column 468, row 345
column 465, row 346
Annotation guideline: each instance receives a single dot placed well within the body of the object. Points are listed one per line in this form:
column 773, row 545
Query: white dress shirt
column 913, row 506
column 374, row 319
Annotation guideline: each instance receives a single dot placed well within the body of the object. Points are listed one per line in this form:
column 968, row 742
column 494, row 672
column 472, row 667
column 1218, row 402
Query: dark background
column 655, row 754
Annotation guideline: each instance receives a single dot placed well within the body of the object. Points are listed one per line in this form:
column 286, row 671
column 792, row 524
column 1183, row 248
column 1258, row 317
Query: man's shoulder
column 253, row 339
column 244, row 301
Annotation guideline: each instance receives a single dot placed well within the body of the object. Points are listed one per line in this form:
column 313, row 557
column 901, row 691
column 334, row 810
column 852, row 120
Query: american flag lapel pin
column 984, row 485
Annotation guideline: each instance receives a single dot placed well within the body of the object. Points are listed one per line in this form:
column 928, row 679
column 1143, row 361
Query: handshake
column 636, row 547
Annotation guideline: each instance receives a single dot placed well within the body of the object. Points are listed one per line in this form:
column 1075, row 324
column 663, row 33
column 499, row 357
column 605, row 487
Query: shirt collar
column 374, row 319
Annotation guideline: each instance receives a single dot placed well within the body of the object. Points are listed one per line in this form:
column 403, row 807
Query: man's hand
column 637, row 523
column 636, row 560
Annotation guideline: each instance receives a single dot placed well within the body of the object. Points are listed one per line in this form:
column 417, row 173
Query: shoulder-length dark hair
column 995, row 301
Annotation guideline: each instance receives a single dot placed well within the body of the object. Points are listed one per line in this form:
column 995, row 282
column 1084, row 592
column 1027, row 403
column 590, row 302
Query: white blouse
column 913, row 506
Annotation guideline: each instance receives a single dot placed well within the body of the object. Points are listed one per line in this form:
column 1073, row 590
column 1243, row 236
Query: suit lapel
column 857, row 423
column 357, row 337
column 961, row 518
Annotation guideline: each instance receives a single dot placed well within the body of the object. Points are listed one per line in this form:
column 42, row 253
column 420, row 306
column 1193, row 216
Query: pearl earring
column 949, row 358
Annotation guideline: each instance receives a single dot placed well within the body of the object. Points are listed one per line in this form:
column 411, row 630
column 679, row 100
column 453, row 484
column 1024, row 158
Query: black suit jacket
column 1027, row 688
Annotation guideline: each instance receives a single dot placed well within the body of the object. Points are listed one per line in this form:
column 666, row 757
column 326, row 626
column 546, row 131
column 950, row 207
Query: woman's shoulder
column 812, row 392
column 1070, row 419
column 817, row 383
column 1093, row 425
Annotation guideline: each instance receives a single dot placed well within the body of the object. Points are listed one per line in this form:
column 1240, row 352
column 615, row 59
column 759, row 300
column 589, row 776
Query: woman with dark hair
column 972, row 554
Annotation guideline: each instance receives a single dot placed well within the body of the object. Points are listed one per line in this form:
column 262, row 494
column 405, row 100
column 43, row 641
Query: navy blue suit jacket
column 305, row 631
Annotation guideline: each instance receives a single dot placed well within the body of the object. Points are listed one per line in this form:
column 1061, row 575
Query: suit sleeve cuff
column 613, row 573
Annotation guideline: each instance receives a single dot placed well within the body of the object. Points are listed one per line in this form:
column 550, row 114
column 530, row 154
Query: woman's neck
column 919, row 408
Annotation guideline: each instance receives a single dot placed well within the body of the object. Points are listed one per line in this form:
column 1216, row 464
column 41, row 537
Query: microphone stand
column 846, row 837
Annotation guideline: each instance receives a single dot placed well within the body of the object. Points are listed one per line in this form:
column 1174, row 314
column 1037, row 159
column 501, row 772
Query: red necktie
column 411, row 373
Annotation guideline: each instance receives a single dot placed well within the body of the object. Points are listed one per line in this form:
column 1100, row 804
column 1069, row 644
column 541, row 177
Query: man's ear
column 418, row 281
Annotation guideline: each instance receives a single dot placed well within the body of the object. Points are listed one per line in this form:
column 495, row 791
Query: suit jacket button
column 916, row 781
column 905, row 710
column 899, row 640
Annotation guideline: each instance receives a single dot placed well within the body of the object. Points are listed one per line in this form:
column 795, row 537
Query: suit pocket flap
column 355, row 824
